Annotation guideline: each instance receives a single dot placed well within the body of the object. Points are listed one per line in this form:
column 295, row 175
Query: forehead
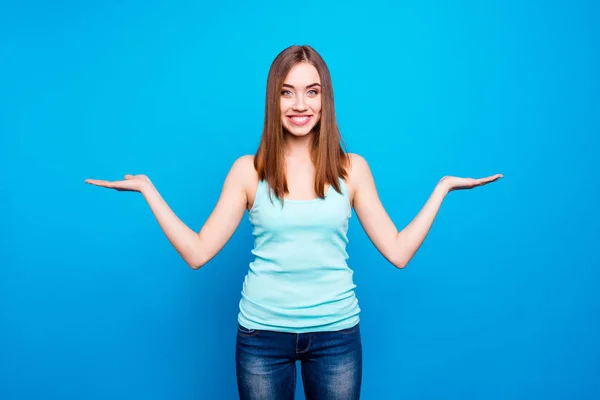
column 302, row 74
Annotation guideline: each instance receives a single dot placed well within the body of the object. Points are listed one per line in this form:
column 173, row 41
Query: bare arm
column 399, row 247
column 195, row 248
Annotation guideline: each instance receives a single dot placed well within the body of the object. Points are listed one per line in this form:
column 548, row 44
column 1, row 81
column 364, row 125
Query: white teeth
column 299, row 119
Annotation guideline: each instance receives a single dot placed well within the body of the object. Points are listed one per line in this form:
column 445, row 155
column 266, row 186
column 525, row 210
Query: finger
column 97, row 182
column 490, row 179
column 106, row 184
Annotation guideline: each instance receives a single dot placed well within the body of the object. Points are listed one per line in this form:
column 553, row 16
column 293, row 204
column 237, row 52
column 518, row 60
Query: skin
column 301, row 97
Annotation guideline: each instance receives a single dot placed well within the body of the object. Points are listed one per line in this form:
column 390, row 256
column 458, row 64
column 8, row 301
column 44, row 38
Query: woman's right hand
column 132, row 183
column 196, row 248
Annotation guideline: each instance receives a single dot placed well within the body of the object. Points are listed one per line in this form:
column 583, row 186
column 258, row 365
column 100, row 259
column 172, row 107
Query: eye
column 286, row 93
column 313, row 92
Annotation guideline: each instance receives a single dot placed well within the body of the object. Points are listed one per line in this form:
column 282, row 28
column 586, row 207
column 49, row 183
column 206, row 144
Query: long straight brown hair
column 328, row 153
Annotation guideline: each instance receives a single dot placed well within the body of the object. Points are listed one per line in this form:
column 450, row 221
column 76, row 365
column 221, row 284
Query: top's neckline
column 286, row 200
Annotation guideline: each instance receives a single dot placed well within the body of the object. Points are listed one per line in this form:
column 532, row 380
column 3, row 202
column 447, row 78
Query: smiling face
column 301, row 99
column 300, row 110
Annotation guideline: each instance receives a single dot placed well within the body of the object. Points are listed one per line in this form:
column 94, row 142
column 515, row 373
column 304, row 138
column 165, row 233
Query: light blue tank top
column 299, row 280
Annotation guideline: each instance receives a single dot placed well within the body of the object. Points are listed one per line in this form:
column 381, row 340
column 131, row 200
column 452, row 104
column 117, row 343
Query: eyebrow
column 309, row 86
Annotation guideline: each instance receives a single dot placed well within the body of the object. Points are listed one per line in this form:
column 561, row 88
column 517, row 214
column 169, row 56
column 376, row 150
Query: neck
column 298, row 147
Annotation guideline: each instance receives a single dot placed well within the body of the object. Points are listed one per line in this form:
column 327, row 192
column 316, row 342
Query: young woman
column 298, row 301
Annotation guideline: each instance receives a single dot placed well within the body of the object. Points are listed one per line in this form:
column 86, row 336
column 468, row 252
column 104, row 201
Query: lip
column 295, row 123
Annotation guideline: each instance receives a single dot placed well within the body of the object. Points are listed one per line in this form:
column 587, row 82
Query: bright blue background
column 500, row 302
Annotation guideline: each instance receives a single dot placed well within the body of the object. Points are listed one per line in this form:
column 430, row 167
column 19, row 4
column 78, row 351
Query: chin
column 299, row 132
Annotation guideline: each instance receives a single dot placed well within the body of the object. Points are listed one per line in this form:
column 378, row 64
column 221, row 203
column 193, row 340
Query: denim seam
column 307, row 346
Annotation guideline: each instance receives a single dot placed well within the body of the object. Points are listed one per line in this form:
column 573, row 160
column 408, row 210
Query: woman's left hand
column 451, row 183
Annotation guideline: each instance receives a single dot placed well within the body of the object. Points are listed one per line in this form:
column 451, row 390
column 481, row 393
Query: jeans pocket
column 242, row 330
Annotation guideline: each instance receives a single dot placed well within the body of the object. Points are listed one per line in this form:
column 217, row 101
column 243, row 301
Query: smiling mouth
column 299, row 120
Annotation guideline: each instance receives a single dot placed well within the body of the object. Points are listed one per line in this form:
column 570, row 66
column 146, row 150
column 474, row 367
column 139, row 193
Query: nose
column 300, row 105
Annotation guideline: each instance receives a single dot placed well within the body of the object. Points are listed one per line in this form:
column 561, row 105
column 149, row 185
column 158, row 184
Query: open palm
column 132, row 183
column 457, row 183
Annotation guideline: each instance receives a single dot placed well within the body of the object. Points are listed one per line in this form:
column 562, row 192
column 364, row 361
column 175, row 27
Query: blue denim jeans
column 331, row 364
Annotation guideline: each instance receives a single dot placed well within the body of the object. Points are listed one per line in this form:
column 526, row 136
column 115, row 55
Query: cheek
column 317, row 105
column 285, row 105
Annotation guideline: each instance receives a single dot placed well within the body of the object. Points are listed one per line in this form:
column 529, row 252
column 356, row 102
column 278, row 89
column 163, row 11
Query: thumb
column 128, row 176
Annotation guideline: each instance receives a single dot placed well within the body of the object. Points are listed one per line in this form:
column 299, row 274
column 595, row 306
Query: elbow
column 196, row 262
column 194, row 266
column 399, row 262
column 400, row 265
column 195, row 255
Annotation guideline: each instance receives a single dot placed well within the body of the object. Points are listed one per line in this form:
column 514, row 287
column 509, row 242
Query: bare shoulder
column 358, row 169
column 245, row 174
column 244, row 164
column 243, row 170
column 357, row 161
